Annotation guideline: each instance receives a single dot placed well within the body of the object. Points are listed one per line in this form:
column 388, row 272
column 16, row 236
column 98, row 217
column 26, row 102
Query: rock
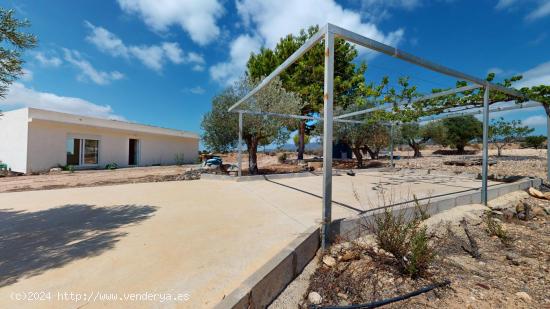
column 538, row 211
column 524, row 296
column 350, row 255
column 512, row 256
column 329, row 260
column 56, row 170
column 314, row 298
column 497, row 213
column 536, row 193
column 508, row 214
column 342, row 295
column 547, row 195
column 315, row 165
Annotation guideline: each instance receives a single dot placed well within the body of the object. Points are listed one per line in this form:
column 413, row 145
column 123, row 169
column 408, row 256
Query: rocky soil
column 513, row 271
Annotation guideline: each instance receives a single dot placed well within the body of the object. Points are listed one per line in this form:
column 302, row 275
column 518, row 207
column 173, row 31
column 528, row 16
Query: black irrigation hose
column 383, row 302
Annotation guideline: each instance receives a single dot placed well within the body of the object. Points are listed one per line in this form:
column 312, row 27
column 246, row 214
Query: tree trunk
column 460, row 148
column 358, row 156
column 372, row 153
column 301, row 139
column 416, row 148
column 499, row 150
column 252, row 156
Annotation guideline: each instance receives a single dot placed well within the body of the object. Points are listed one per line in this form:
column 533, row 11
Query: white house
column 34, row 140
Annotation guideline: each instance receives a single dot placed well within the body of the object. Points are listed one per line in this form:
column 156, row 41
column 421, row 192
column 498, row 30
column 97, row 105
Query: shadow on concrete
column 33, row 242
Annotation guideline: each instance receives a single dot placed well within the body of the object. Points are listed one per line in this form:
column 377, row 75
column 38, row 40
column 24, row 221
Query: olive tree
column 221, row 127
column 12, row 43
column 415, row 135
column 502, row 133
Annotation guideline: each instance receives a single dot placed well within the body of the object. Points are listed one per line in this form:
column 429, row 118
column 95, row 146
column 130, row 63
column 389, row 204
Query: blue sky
column 160, row 62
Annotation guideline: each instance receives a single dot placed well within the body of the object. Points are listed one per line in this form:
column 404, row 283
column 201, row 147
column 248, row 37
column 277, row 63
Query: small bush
column 281, row 157
column 420, row 211
column 494, row 228
column 67, row 168
column 406, row 240
column 111, row 166
column 534, row 141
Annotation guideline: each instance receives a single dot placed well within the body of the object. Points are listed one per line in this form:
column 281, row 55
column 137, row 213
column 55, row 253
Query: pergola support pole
column 240, row 156
column 328, row 98
column 485, row 166
column 391, row 145
column 547, row 149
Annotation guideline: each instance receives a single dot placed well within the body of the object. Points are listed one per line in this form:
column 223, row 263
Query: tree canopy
column 12, row 44
column 502, row 133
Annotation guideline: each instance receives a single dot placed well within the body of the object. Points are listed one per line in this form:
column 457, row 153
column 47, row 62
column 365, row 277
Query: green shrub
column 534, row 141
column 281, row 157
column 406, row 239
column 111, row 166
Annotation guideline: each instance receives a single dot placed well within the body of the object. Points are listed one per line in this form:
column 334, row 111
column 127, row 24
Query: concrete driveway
column 137, row 245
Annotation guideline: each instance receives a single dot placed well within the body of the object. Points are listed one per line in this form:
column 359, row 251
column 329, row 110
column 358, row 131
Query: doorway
column 133, row 151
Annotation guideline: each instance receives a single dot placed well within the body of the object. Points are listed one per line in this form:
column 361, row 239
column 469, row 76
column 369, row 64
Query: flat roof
column 47, row 115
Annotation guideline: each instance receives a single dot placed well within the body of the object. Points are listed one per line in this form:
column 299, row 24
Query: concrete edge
column 352, row 227
column 256, row 177
column 265, row 284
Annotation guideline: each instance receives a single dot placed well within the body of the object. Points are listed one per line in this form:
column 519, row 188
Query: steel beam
column 547, row 149
column 295, row 116
column 394, row 52
column 485, row 161
column 240, row 158
column 328, row 98
column 423, row 98
column 477, row 111
column 290, row 60
column 391, row 145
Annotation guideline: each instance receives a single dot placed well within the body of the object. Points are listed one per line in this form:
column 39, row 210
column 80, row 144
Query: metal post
column 391, row 145
column 485, row 166
column 547, row 149
column 240, row 157
column 327, row 139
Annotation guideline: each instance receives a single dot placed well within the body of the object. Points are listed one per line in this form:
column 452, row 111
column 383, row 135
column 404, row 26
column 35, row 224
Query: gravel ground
column 515, row 274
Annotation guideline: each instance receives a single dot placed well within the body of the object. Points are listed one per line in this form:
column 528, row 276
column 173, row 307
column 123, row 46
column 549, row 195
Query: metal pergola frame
column 328, row 33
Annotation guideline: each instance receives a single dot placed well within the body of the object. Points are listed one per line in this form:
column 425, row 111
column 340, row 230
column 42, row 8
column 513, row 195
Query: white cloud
column 87, row 71
column 47, row 61
column 197, row 18
column 27, row 75
column 274, row 19
column 152, row 56
column 539, row 75
column 195, row 90
column 542, row 7
column 534, row 121
column 270, row 20
column 20, row 96
column 503, row 4
column 227, row 73
column 106, row 41
column 541, row 11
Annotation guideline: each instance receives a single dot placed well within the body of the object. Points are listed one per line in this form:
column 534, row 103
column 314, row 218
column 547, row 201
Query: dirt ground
column 88, row 178
column 514, row 273
column 514, row 162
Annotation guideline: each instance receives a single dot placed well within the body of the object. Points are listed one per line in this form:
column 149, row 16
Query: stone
column 536, row 193
column 315, row 165
column 524, row 296
column 329, row 260
column 547, row 195
column 342, row 295
column 56, row 170
column 538, row 211
column 350, row 255
column 314, row 298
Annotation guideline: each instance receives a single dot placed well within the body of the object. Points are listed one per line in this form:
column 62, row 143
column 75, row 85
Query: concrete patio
column 202, row 238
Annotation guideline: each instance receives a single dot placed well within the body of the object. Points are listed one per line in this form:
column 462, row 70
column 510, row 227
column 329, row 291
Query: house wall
column 47, row 145
column 13, row 139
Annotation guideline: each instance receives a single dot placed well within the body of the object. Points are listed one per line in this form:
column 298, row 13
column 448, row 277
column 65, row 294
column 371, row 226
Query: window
column 91, row 151
column 82, row 151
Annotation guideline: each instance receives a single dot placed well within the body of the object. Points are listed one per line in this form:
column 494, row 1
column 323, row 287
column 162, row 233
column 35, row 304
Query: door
column 133, row 151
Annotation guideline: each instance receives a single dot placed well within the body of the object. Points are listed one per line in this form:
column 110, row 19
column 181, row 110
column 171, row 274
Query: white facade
column 35, row 140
